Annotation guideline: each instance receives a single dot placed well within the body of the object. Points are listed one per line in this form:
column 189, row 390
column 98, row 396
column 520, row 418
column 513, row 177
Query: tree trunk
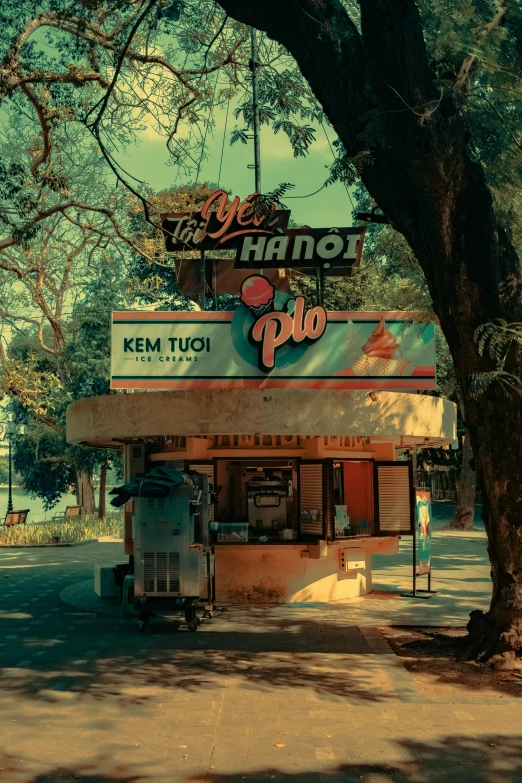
column 85, row 492
column 433, row 189
column 465, row 511
column 103, row 486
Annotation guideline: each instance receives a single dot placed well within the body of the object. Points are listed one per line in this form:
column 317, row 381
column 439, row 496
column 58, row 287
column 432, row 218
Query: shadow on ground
column 488, row 759
column 282, row 653
column 328, row 659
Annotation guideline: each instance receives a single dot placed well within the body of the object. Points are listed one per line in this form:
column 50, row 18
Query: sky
column 331, row 207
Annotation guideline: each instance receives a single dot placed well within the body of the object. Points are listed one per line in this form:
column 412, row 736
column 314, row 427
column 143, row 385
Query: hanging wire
column 333, row 155
column 223, row 144
column 309, row 194
column 324, row 183
column 204, row 142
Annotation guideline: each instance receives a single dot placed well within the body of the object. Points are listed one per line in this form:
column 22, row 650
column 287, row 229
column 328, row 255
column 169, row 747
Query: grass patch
column 68, row 531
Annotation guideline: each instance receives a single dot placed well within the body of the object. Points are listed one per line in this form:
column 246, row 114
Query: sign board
column 327, row 248
column 261, row 240
column 221, row 277
column 271, row 340
column 220, row 224
column 423, row 521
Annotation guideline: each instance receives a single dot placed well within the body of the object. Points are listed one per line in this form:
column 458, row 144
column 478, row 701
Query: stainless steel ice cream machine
column 266, row 501
column 173, row 556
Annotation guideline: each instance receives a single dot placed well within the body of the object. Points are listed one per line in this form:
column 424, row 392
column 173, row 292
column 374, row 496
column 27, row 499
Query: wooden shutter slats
column 311, row 493
column 393, row 495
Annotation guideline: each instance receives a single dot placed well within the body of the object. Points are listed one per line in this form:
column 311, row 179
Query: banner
column 423, row 519
column 271, row 340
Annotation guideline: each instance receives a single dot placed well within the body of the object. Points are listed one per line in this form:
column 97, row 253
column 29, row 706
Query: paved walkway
column 301, row 694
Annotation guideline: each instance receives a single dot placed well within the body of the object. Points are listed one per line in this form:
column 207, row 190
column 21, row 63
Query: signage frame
column 254, row 377
column 227, row 224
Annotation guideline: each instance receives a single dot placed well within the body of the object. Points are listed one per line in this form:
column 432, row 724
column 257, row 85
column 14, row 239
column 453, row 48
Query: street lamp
column 11, row 430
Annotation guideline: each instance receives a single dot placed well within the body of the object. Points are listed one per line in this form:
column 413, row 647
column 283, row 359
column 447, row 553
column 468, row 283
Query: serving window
column 298, row 500
column 372, row 498
column 261, row 496
column 353, row 498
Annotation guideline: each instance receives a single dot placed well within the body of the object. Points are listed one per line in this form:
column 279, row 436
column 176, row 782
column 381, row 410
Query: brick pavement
column 279, row 693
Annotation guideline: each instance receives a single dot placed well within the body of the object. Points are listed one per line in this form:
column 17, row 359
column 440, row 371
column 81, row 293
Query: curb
column 49, row 546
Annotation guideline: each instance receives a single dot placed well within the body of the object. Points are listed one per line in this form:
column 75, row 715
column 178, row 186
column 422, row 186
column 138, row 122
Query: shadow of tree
column 491, row 758
column 279, row 650
column 12, row 769
column 439, row 655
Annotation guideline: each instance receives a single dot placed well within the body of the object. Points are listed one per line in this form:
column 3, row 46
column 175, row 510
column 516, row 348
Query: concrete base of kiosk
column 298, row 573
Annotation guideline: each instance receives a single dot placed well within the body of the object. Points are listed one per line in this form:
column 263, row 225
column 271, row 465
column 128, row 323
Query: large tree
column 430, row 182
column 40, row 385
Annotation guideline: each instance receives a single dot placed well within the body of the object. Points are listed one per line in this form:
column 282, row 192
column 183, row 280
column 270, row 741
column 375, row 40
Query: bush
column 69, row 531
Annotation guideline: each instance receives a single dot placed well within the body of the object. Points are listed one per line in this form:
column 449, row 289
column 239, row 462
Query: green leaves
column 264, row 203
column 346, row 169
column 495, row 339
column 483, row 380
column 300, row 136
column 239, row 135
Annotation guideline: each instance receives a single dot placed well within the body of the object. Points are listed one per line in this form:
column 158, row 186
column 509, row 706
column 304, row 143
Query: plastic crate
column 232, row 532
column 288, row 535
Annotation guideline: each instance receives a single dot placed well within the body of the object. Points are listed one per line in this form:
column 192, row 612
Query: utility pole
column 254, row 65
column 10, row 491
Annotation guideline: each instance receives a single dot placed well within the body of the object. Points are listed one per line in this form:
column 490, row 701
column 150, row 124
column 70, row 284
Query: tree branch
column 102, row 104
column 40, row 111
column 328, row 50
column 463, row 77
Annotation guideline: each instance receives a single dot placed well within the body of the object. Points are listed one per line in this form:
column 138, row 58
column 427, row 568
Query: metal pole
column 203, row 280
column 214, row 284
column 255, row 109
column 414, row 558
column 10, row 493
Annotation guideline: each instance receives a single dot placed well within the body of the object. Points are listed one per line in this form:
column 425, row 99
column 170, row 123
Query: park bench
column 16, row 517
column 70, row 511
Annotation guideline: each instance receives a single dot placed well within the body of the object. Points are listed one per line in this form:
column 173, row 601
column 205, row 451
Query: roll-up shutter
column 311, row 498
column 394, row 498
column 207, row 469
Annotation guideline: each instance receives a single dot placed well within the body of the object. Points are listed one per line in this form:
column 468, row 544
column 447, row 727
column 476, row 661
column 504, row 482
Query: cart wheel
column 195, row 613
column 141, row 625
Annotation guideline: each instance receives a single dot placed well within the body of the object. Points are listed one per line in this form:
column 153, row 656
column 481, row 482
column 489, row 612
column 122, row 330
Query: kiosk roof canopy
column 116, row 418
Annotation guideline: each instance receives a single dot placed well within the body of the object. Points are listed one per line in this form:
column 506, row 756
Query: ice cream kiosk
column 301, row 418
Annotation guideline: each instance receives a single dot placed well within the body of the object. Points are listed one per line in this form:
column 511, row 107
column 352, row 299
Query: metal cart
column 173, row 556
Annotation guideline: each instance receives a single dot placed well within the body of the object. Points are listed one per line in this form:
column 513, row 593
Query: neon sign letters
column 262, row 240
column 211, row 228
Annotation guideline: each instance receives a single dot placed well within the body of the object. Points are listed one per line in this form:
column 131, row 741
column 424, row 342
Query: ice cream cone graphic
column 257, row 293
column 378, row 354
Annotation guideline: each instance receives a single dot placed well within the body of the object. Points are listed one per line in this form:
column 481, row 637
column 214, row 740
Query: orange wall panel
column 358, row 490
